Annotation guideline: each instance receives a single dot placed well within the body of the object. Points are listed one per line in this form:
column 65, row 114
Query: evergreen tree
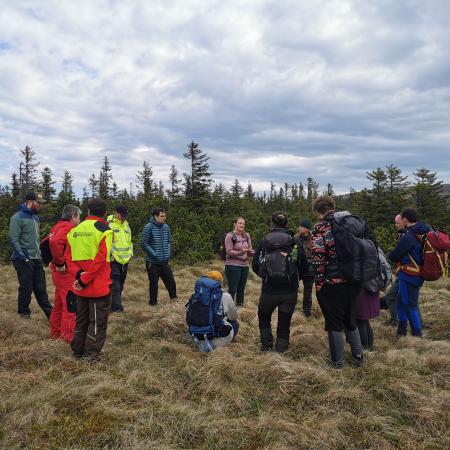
column 145, row 180
column 46, row 184
column 236, row 189
column 66, row 195
column 105, row 179
column 27, row 170
column 198, row 181
column 114, row 190
column 174, row 181
column 378, row 212
column 313, row 189
column 249, row 192
column 93, row 185
column 15, row 186
column 397, row 189
column 329, row 190
column 431, row 205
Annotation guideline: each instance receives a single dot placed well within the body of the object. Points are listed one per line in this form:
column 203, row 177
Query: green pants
column 237, row 279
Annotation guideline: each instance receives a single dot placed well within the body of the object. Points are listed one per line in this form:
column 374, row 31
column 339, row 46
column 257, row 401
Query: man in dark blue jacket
column 408, row 253
column 157, row 244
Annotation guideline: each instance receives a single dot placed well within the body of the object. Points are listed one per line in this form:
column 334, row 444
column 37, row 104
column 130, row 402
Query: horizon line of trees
column 200, row 213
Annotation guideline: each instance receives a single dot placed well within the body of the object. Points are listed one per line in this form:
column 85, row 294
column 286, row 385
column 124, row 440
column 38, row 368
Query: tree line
column 201, row 211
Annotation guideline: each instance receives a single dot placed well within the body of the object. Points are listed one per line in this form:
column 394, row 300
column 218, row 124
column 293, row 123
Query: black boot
column 281, row 345
column 402, row 328
column 266, row 339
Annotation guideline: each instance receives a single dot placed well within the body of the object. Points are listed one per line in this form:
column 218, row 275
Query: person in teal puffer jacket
column 156, row 242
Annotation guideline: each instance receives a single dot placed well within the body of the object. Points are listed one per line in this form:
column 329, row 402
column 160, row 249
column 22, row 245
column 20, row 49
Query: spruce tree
column 105, row 179
column 312, row 188
column 431, row 205
column 378, row 213
column 197, row 181
column 397, row 190
column 47, row 184
column 174, row 181
column 27, row 170
column 15, row 186
column 93, row 185
column 145, row 180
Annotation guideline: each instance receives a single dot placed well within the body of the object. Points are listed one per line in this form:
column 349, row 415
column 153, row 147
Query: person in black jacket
column 303, row 241
column 277, row 261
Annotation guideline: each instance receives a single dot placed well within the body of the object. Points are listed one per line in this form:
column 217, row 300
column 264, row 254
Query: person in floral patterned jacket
column 335, row 294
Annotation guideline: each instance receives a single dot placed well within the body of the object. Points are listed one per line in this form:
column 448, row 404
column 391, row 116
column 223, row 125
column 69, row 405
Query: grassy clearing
column 153, row 390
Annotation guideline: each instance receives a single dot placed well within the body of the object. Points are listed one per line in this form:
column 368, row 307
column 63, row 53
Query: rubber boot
column 402, row 328
column 281, row 345
column 266, row 339
column 336, row 343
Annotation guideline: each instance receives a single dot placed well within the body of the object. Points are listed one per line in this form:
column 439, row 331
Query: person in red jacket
column 88, row 254
column 64, row 313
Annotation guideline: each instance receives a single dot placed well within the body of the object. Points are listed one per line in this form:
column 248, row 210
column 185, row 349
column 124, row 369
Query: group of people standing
column 89, row 264
column 346, row 305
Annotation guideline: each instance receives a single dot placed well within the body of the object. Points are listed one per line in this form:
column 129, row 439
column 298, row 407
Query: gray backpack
column 382, row 280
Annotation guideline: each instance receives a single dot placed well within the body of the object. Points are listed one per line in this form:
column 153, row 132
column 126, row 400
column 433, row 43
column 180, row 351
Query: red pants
column 64, row 315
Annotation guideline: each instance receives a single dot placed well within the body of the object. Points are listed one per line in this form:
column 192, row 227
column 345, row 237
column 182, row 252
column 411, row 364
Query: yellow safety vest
column 85, row 238
column 122, row 248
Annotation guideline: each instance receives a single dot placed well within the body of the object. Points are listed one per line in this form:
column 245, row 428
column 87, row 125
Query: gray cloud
column 271, row 90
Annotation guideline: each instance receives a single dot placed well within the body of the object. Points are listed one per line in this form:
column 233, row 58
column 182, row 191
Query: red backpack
column 435, row 247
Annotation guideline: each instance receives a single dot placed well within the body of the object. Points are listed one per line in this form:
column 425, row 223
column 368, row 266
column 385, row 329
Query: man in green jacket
column 121, row 253
column 26, row 257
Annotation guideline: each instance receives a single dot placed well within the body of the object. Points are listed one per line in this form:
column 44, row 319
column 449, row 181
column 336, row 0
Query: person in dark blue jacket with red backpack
column 408, row 254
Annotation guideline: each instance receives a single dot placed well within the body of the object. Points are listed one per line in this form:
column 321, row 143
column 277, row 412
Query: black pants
column 90, row 329
column 365, row 333
column 31, row 278
column 154, row 272
column 286, row 306
column 118, row 277
column 308, row 283
column 338, row 305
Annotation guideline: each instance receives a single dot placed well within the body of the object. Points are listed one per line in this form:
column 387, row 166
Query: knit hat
column 215, row 275
column 306, row 223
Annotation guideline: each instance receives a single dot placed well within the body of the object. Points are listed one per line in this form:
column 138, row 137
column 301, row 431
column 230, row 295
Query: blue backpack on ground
column 204, row 312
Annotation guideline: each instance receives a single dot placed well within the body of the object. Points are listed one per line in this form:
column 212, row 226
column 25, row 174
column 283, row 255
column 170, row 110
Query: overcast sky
column 271, row 90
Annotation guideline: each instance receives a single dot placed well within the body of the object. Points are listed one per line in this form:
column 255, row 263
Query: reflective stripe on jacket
column 122, row 248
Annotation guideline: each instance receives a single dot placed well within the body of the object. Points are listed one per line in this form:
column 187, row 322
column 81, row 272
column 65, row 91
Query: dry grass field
column 153, row 390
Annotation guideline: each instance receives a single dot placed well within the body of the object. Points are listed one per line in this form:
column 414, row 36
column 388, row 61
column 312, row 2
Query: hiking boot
column 416, row 333
column 307, row 313
column 383, row 303
column 153, row 303
column 25, row 316
column 281, row 345
column 77, row 355
column 336, row 364
column 117, row 310
column 266, row 339
column 391, row 322
column 174, row 299
column 91, row 359
column 240, row 304
column 357, row 360
column 402, row 329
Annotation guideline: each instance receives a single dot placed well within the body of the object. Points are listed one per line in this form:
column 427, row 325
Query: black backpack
column 46, row 253
column 275, row 266
column 356, row 251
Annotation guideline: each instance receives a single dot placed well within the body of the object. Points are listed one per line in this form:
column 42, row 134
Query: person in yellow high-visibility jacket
column 88, row 258
column 121, row 253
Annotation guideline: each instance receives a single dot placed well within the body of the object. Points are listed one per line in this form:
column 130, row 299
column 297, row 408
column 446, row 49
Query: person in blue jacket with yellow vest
column 157, row 244
column 408, row 253
column 121, row 253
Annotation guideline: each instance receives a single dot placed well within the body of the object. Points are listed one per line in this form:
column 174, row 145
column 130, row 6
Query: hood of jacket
column 419, row 228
